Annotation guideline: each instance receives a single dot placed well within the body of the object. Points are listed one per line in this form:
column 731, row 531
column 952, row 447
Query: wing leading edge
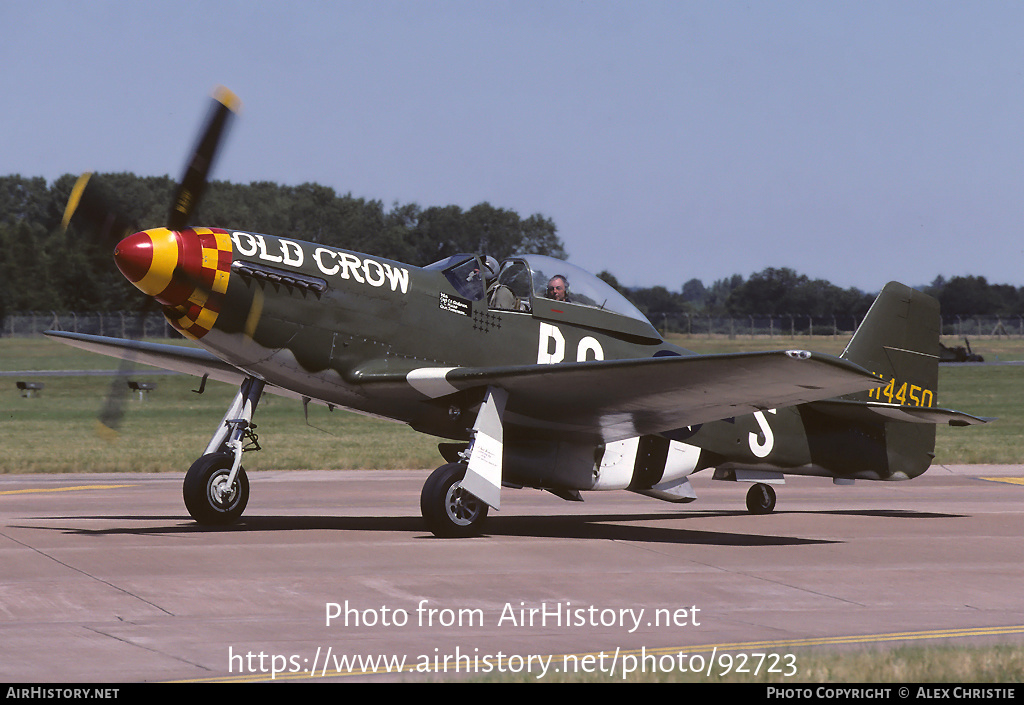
column 177, row 358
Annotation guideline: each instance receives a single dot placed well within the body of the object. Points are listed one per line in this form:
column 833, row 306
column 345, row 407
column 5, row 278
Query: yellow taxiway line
column 695, row 649
column 63, row 489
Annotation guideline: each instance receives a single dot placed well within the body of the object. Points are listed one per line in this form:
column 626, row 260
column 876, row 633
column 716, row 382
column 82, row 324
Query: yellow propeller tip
column 227, row 98
column 110, row 435
column 74, row 199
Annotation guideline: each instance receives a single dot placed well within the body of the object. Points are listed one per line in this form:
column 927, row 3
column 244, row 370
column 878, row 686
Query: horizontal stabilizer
column 874, row 411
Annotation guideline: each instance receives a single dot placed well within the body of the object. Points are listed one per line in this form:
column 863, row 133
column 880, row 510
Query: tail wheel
column 761, row 499
column 208, row 497
column 450, row 511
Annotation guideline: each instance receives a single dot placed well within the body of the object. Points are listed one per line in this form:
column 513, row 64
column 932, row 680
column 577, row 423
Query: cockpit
column 544, row 287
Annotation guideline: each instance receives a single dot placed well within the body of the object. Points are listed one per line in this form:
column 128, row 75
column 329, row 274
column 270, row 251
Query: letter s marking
column 761, row 450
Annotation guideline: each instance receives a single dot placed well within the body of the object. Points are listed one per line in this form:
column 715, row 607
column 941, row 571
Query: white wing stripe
column 431, row 381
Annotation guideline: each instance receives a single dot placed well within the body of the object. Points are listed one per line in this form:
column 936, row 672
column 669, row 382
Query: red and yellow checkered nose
column 187, row 271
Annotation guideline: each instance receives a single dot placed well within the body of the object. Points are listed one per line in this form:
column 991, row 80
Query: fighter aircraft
column 535, row 373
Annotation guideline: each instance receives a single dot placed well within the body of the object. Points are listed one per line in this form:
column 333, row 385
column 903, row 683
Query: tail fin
column 887, row 433
column 899, row 341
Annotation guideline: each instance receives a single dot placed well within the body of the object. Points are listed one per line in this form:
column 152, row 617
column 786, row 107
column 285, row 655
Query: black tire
column 200, row 490
column 761, row 499
column 450, row 511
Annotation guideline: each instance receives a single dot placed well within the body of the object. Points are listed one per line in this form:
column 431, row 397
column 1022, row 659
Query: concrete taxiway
column 104, row 578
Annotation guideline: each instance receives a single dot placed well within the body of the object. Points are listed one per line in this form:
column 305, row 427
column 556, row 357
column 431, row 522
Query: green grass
column 1000, row 664
column 983, row 391
column 56, row 432
column 944, row 664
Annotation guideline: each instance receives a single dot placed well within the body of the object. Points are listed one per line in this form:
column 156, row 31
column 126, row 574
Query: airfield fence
column 836, row 326
column 118, row 324
column 128, row 324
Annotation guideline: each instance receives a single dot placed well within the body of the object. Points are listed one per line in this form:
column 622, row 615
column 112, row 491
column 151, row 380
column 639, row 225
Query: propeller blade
column 111, row 415
column 90, row 204
column 183, row 272
column 75, row 199
column 193, row 183
column 108, row 423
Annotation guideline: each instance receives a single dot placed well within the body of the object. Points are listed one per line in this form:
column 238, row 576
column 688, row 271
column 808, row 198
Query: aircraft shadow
column 887, row 513
column 604, row 526
column 608, row 527
column 621, row 527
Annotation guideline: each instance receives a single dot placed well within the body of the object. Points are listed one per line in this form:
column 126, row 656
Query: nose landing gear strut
column 216, row 489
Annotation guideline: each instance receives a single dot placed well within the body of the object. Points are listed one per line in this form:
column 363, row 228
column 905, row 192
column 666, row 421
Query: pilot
column 558, row 288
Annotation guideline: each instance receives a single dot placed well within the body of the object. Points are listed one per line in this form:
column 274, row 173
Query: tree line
column 781, row 292
column 44, row 268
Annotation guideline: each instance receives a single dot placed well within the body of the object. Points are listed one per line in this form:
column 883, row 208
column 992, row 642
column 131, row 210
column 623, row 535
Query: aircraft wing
column 178, row 358
column 617, row 399
column 599, row 399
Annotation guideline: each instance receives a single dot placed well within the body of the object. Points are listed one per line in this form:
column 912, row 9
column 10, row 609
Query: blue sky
column 857, row 142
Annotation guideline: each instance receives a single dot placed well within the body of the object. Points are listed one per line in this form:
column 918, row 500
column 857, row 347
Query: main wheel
column 760, row 499
column 450, row 511
column 207, row 495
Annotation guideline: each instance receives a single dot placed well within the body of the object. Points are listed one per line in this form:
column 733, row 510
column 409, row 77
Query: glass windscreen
column 539, row 276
